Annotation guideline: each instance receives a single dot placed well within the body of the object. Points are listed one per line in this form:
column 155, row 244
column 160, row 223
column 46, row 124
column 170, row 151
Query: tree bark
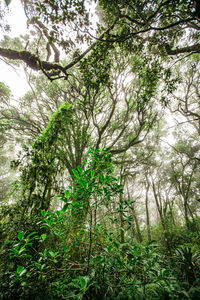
column 135, row 218
column 165, row 231
column 147, row 209
column 122, row 239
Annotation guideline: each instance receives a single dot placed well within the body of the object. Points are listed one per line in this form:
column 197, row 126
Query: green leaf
column 58, row 212
column 65, row 248
column 83, row 183
column 67, row 192
column 43, row 213
column 165, row 272
column 8, row 2
column 20, row 235
column 22, row 249
column 76, row 174
column 24, row 283
column 20, row 270
column 102, row 177
column 92, row 173
column 137, row 251
column 117, row 245
column 31, row 234
column 109, row 248
column 53, row 254
column 83, row 282
column 14, row 251
column 44, row 236
column 80, row 169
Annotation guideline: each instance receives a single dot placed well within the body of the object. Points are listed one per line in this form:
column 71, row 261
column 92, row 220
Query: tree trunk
column 185, row 205
column 135, row 220
column 165, row 231
column 138, row 234
column 122, row 239
column 147, row 210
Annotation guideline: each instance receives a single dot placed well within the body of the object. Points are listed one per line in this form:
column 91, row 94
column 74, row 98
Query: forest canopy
column 99, row 159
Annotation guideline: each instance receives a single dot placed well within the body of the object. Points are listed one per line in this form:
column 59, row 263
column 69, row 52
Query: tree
column 6, row 149
column 184, row 176
column 103, row 205
column 135, row 26
column 187, row 93
column 96, row 119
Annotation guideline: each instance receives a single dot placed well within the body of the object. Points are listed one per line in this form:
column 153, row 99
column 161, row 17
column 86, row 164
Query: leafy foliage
column 75, row 255
column 119, row 220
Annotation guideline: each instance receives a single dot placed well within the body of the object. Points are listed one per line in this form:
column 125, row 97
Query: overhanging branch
column 30, row 59
column 34, row 62
column 189, row 49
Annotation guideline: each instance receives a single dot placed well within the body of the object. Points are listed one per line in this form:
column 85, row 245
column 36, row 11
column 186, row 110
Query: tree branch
column 194, row 48
column 34, row 62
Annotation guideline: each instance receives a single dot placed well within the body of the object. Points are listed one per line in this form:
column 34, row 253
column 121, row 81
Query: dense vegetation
column 99, row 160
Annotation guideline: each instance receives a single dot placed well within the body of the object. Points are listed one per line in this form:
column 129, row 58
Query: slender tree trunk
column 135, row 218
column 133, row 229
column 165, row 230
column 171, row 204
column 185, row 205
column 122, row 239
column 147, row 210
column 46, row 197
column 185, row 196
column 194, row 221
column 122, row 179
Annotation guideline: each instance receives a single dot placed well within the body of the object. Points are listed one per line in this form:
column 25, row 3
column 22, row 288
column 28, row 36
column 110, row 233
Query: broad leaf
column 20, row 235
column 76, row 174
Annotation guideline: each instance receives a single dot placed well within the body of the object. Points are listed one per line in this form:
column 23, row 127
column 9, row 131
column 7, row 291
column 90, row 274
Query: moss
column 63, row 114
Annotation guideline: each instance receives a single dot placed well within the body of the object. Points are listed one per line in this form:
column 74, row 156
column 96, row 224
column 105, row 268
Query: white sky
column 14, row 79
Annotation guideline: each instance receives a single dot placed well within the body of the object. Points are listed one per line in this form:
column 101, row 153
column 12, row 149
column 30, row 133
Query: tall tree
column 187, row 95
column 184, row 175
